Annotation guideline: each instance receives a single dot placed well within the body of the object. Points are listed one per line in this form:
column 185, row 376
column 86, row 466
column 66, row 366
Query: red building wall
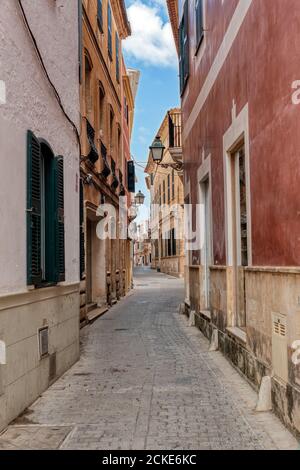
column 259, row 69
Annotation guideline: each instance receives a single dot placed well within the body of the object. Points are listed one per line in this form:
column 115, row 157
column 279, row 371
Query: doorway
column 239, row 233
column 89, row 276
column 206, row 238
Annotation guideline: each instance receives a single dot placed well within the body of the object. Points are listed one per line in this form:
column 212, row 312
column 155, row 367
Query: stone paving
column 146, row 380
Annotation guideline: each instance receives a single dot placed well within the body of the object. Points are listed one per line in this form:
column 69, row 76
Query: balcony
column 93, row 155
column 175, row 135
column 106, row 170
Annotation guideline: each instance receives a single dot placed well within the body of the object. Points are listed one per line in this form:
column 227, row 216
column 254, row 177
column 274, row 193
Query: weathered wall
column 236, row 90
column 31, row 104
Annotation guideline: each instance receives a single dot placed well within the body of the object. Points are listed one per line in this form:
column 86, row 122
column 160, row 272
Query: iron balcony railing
column 174, row 129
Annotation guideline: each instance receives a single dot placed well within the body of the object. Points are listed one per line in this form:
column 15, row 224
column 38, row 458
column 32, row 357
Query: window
column 160, row 194
column 45, row 214
column 119, row 148
column 164, row 191
column 109, row 31
column 243, row 207
column 184, row 48
column 101, row 108
column 111, row 129
column 169, row 245
column 81, row 232
column 87, row 86
column 173, row 243
column 169, row 188
column 126, row 110
column 173, row 184
column 100, row 15
column 199, row 22
column 117, row 59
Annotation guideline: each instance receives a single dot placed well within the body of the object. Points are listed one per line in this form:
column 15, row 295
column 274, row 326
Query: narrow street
column 145, row 380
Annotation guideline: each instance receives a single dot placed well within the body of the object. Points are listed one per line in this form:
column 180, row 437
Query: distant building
column 166, row 191
column 142, row 245
column 241, row 164
column 39, row 203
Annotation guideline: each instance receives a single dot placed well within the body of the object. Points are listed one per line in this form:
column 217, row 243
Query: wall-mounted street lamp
column 139, row 198
column 157, row 152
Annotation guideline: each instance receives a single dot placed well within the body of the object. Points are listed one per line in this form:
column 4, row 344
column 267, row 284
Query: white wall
column 30, row 104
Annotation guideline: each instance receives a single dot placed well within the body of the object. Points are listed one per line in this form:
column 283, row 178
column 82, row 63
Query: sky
column 151, row 50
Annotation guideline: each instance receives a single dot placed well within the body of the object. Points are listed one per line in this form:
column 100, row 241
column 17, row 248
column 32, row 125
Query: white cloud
column 152, row 40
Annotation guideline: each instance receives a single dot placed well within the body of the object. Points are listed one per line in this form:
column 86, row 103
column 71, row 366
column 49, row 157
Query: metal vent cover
column 279, row 325
column 279, row 346
column 44, row 341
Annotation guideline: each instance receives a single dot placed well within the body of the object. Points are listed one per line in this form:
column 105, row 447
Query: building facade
column 105, row 137
column 240, row 143
column 165, row 184
column 39, row 205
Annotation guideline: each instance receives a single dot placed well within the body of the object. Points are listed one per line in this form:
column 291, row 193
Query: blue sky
column 151, row 50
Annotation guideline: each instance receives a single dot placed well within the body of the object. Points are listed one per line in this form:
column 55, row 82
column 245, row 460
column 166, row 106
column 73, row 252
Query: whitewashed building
column 39, row 198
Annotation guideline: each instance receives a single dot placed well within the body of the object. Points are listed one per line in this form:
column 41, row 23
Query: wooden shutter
column 109, row 38
column 186, row 40
column 199, row 21
column 181, row 73
column 184, row 47
column 130, row 176
column 59, row 219
column 100, row 15
column 34, row 271
column 81, row 233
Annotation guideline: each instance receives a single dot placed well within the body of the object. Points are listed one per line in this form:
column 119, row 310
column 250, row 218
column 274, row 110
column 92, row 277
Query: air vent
column 279, row 326
column 44, row 341
column 279, row 346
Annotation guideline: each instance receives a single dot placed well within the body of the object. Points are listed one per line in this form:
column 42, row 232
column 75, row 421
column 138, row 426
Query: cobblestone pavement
column 146, row 380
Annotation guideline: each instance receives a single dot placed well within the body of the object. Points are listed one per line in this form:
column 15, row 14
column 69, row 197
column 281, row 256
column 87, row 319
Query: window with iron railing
column 174, row 129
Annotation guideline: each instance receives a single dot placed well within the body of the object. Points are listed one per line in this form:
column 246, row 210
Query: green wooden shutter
column 34, row 271
column 59, row 219
column 81, row 233
column 184, row 47
column 186, row 41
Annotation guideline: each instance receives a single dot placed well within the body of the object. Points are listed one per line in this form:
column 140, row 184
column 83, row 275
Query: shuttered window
column 100, row 15
column 184, row 48
column 45, row 214
column 34, row 270
column 59, row 218
column 117, row 59
column 199, row 22
column 109, row 31
column 173, row 184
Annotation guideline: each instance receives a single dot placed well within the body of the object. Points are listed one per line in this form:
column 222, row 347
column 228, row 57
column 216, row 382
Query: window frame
column 200, row 38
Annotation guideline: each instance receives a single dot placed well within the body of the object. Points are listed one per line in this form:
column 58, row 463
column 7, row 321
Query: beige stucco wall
column 31, row 104
column 25, row 374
